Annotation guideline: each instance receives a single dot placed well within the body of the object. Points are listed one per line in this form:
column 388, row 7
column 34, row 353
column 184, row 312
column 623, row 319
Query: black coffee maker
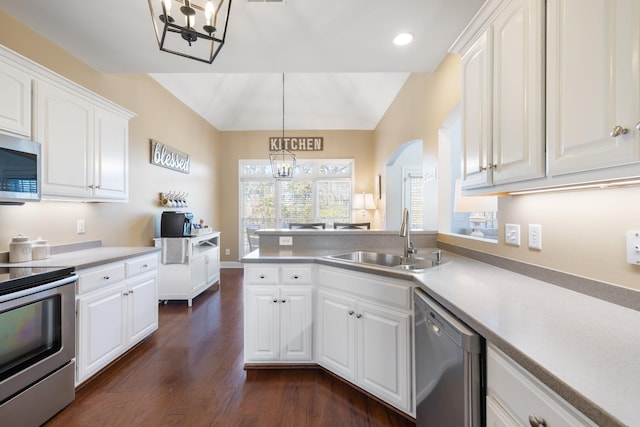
column 175, row 224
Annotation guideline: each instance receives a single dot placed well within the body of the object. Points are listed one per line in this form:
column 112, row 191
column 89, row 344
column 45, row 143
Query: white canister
column 20, row 249
column 40, row 248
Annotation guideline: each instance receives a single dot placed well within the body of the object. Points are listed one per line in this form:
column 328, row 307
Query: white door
column 261, row 341
column 518, row 143
column 593, row 84
column 476, row 114
column 383, row 353
column 295, row 323
column 101, row 329
column 64, row 128
column 142, row 305
column 15, row 102
column 337, row 330
column 111, row 155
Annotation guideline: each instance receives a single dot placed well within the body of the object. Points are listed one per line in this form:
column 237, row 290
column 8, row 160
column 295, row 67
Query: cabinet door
column 593, row 84
column 261, row 340
column 212, row 265
column 15, row 102
column 101, row 329
column 198, row 272
column 337, row 334
column 518, row 94
column 64, row 127
column 476, row 113
column 111, row 155
column 295, row 323
column 142, row 299
column 383, row 353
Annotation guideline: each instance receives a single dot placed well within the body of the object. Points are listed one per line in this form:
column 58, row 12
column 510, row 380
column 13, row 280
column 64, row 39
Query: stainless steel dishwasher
column 449, row 368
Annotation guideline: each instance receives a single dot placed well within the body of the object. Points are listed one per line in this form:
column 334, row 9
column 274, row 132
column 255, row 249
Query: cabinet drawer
column 98, row 277
column 141, row 265
column 261, row 275
column 296, row 276
column 522, row 395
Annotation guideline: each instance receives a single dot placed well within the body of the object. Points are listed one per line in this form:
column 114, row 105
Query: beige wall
column 416, row 113
column 355, row 145
column 160, row 116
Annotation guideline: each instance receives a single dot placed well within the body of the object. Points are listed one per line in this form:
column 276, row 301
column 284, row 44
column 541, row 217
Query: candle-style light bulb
column 166, row 4
column 209, row 11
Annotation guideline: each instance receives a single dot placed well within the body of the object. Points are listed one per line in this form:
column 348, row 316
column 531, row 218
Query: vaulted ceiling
column 341, row 68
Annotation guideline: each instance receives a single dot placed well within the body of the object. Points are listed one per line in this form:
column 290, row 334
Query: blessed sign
column 314, row 143
column 170, row 158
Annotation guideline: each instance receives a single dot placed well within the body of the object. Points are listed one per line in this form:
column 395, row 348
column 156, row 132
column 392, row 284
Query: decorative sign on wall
column 170, row 158
column 312, row 143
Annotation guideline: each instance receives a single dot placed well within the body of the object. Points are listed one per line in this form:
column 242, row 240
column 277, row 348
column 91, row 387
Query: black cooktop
column 14, row 279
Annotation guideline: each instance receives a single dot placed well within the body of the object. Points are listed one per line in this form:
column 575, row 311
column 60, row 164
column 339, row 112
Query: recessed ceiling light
column 403, row 39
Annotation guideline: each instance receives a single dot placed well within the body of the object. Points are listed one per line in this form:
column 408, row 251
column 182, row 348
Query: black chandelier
column 182, row 39
column 283, row 162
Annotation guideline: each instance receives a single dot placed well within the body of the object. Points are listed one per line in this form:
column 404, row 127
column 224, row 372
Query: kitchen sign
column 170, row 158
column 312, row 143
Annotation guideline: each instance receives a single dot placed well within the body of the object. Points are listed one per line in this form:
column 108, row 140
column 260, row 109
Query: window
column 320, row 191
column 474, row 216
column 413, row 192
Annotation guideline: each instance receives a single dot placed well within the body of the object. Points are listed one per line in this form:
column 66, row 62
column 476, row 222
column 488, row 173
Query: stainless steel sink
column 413, row 264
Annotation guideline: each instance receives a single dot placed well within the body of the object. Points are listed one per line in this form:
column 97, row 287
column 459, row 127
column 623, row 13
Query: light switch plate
column 512, row 234
column 633, row 247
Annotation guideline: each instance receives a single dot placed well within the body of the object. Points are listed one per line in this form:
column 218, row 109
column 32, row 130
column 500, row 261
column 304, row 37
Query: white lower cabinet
column 363, row 339
column 516, row 398
column 116, row 307
column 198, row 270
column 278, row 314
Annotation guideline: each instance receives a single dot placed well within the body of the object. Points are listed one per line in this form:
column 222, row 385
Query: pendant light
column 283, row 162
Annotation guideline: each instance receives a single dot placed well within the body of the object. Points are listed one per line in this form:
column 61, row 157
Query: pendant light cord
column 283, row 107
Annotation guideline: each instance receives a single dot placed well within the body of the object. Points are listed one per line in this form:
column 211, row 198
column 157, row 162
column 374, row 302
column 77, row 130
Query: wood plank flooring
column 190, row 373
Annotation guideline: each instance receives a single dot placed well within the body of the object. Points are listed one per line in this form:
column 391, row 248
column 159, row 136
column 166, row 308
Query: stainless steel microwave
column 20, row 170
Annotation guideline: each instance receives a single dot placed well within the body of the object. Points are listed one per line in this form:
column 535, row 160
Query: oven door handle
column 39, row 288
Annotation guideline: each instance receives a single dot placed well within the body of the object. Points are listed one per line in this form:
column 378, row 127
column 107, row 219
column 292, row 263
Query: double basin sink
column 413, row 264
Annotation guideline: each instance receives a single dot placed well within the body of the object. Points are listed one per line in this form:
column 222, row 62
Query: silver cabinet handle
column 638, row 125
column 537, row 422
column 106, row 277
column 295, row 276
column 283, row 301
column 261, row 276
column 351, row 312
column 358, row 316
column 617, row 131
column 275, row 300
column 144, row 266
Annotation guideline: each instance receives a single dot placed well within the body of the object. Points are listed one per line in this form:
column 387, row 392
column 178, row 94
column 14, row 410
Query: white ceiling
column 342, row 69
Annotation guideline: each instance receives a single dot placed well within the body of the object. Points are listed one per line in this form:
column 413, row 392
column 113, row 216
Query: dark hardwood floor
column 190, row 373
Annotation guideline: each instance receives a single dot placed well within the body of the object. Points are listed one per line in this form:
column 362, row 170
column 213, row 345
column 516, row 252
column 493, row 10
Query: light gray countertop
column 584, row 348
column 87, row 258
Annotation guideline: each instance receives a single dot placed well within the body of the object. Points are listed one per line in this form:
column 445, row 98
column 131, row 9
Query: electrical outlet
column 227, row 251
column 512, row 234
column 535, row 236
column 80, row 226
column 286, row 241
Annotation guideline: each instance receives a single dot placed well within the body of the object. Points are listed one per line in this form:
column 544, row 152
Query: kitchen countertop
column 585, row 349
column 87, row 258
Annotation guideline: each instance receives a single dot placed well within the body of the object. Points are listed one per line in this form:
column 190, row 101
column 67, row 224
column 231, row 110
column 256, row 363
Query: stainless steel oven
column 37, row 343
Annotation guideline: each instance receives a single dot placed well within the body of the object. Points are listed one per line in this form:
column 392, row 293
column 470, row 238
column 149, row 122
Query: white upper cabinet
column 85, row 147
column 503, row 98
column 63, row 125
column 15, row 101
column 84, row 137
column 593, row 84
column 518, row 92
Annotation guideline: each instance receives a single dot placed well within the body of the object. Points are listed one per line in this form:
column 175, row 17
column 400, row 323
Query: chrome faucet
column 409, row 249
